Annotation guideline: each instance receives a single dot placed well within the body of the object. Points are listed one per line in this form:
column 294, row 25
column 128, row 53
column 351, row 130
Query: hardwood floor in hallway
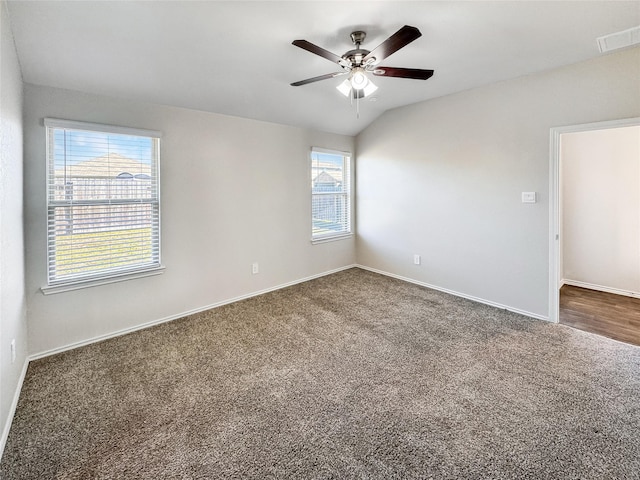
column 607, row 314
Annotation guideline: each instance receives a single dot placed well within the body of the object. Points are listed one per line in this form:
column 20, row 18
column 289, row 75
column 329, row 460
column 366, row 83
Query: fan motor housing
column 355, row 56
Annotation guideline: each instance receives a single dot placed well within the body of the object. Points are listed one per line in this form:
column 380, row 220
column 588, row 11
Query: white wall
column 234, row 191
column 13, row 322
column 443, row 179
column 600, row 190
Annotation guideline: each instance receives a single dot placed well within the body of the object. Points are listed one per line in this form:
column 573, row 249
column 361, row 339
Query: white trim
column 98, row 127
column 600, row 288
column 554, row 201
column 331, row 152
column 554, row 225
column 331, row 238
column 456, row 294
column 152, row 323
column 120, row 277
column 14, row 405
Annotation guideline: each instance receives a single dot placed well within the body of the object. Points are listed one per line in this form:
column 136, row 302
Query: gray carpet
column 353, row 376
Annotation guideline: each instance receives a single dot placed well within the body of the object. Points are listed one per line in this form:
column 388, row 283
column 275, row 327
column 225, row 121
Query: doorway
column 613, row 275
column 608, row 314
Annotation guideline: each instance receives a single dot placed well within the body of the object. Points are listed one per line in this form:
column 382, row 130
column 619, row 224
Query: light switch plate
column 528, row 197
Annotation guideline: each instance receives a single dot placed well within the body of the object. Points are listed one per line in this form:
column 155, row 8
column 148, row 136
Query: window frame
column 109, row 276
column 347, row 169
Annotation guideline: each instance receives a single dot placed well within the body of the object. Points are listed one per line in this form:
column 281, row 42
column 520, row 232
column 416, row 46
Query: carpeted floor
column 350, row 376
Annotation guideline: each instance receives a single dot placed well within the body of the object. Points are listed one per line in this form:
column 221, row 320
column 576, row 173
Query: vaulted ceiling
column 236, row 57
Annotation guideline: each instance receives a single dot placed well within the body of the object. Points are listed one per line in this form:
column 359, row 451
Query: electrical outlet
column 416, row 259
column 254, row 268
column 13, row 351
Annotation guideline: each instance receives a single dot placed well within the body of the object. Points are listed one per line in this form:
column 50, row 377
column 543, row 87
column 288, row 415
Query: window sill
column 67, row 287
column 332, row 238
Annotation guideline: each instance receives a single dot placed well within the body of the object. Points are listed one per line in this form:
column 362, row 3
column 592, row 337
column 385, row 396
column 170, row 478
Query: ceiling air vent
column 617, row 40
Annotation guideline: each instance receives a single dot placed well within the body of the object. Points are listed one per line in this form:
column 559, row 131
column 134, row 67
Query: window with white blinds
column 103, row 201
column 330, row 194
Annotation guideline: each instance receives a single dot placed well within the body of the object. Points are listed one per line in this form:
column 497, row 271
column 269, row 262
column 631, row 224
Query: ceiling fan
column 357, row 63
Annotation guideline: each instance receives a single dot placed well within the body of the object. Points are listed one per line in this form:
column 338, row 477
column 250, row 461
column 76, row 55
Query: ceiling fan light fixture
column 345, row 88
column 363, row 92
column 358, row 62
column 358, row 78
column 369, row 89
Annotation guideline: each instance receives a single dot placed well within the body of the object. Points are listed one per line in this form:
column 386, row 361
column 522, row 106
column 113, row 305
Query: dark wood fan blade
column 395, row 42
column 416, row 73
column 310, row 47
column 317, row 79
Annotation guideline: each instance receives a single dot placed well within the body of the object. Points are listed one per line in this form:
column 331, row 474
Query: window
column 330, row 194
column 103, row 208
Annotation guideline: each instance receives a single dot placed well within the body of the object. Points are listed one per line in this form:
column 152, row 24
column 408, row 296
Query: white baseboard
column 152, row 323
column 14, row 405
column 458, row 294
column 600, row 288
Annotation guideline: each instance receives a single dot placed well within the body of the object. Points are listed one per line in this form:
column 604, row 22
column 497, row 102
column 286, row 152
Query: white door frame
column 554, row 201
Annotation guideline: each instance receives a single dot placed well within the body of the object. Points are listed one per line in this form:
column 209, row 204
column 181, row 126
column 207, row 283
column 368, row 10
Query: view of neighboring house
column 330, row 198
column 330, row 207
column 100, row 179
column 105, row 205
column 107, row 176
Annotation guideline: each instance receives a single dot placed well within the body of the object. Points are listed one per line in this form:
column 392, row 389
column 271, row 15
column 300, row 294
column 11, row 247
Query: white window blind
column 330, row 194
column 103, row 201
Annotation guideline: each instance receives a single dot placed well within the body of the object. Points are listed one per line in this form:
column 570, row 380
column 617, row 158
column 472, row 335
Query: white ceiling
column 236, row 57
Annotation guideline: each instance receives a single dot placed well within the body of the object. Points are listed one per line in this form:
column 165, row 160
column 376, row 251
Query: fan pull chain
column 356, row 95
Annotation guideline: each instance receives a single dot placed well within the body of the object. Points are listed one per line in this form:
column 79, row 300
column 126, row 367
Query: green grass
column 99, row 251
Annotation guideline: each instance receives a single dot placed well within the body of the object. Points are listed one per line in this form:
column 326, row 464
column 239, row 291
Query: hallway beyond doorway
column 607, row 314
